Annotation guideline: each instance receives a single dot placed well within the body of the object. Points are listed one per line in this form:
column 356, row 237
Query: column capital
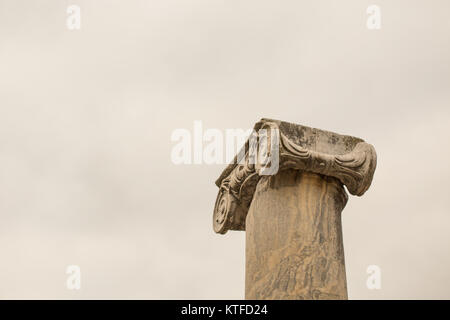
column 290, row 146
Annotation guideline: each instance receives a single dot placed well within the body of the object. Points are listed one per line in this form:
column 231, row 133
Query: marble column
column 292, row 215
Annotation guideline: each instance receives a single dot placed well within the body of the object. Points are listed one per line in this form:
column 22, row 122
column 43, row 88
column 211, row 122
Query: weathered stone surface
column 294, row 238
column 351, row 160
column 293, row 217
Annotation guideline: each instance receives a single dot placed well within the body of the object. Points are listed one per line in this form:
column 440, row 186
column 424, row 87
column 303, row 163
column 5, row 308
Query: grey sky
column 86, row 118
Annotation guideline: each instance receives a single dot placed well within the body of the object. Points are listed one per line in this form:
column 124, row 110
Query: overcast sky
column 86, row 118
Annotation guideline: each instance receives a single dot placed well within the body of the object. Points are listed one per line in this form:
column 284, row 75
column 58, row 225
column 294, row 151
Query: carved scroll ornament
column 352, row 161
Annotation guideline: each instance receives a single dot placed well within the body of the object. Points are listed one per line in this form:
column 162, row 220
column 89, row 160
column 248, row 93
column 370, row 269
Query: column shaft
column 294, row 247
